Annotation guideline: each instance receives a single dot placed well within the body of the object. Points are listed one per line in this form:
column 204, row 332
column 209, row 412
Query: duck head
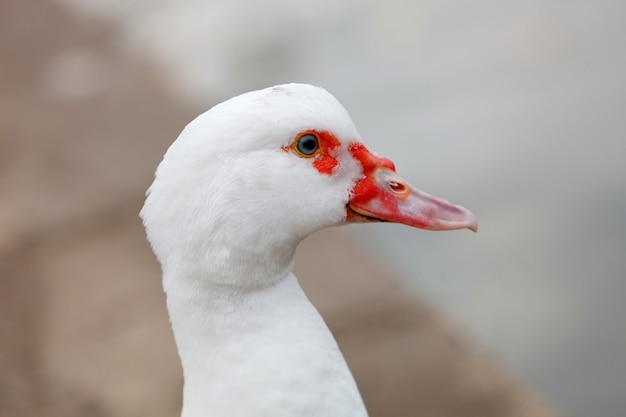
column 250, row 178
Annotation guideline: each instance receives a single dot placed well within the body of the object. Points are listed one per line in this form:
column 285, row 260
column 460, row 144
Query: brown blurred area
column 83, row 326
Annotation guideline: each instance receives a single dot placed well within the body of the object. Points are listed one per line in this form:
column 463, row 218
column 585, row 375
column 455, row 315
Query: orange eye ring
column 307, row 144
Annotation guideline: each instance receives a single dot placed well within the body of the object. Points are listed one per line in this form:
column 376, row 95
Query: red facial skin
column 382, row 195
column 324, row 158
column 325, row 162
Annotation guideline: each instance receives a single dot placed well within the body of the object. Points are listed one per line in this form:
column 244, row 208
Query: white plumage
column 231, row 200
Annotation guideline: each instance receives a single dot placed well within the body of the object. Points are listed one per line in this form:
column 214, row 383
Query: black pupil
column 307, row 144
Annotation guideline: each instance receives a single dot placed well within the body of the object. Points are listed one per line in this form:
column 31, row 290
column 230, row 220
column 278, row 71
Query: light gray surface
column 515, row 110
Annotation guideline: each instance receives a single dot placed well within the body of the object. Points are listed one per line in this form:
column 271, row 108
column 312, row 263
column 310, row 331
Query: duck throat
column 265, row 351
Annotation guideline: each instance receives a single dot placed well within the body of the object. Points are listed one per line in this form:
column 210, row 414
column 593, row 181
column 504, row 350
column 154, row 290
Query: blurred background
column 515, row 110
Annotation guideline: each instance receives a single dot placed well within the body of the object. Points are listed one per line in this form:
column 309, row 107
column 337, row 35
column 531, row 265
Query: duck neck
column 248, row 352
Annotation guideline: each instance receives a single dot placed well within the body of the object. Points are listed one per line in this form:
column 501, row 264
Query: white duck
column 242, row 185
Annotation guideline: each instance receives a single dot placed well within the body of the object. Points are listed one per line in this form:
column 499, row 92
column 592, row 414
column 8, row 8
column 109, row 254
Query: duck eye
column 307, row 145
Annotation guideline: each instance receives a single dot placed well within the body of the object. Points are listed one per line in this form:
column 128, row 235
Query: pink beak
column 382, row 195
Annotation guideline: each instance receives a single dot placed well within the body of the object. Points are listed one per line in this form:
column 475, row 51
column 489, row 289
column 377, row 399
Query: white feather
column 224, row 215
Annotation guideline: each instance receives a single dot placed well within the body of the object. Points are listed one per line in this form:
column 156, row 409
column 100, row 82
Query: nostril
column 397, row 187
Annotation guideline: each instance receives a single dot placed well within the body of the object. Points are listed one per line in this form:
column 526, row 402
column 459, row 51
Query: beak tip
column 469, row 219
